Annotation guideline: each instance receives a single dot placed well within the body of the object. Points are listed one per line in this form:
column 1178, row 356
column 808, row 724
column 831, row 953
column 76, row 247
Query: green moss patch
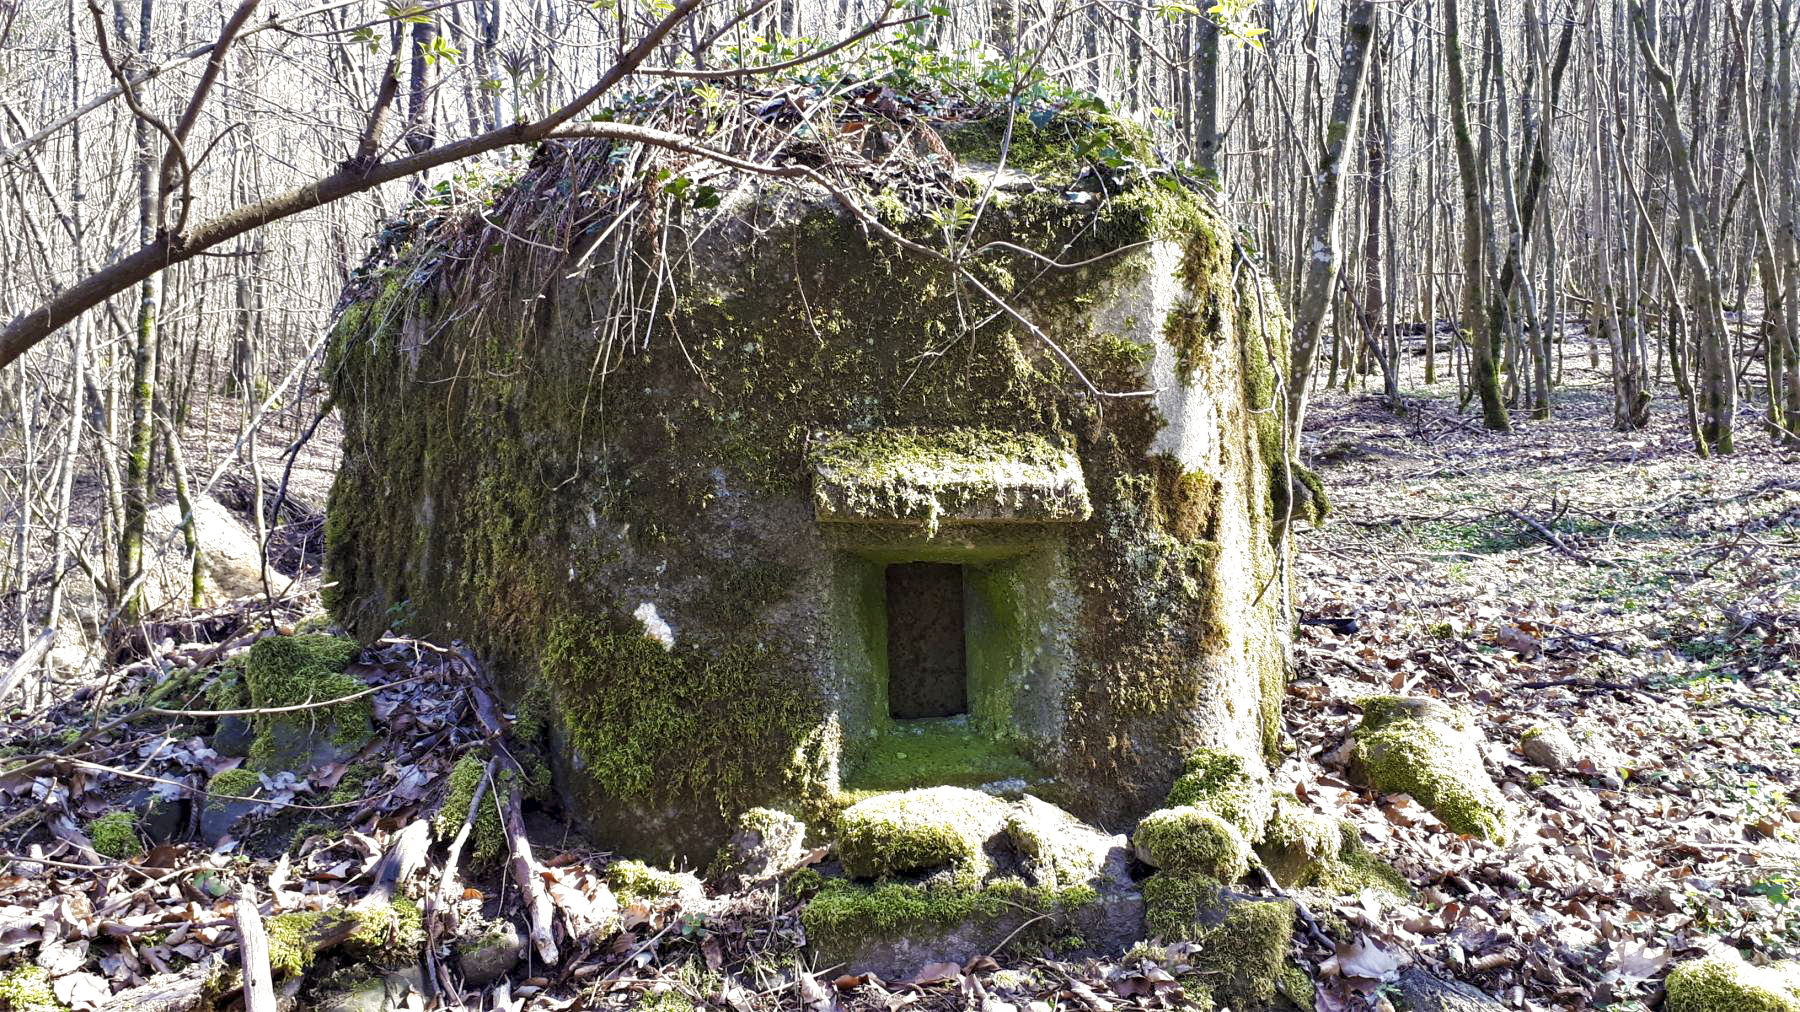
column 1177, row 903
column 842, row 910
column 284, row 671
column 918, row 830
column 487, row 840
column 637, row 882
column 927, row 752
column 653, row 722
column 1057, row 144
column 1192, row 841
column 27, row 989
column 115, row 836
column 1303, row 849
column 1228, row 785
column 1723, row 984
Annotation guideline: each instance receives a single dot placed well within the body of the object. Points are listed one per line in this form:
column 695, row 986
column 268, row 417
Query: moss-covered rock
column 387, row 935
column 1229, row 785
column 1060, row 850
column 767, row 843
column 1192, row 841
column 1724, row 984
column 913, row 831
column 1431, row 751
column 230, row 796
column 637, row 882
column 893, row 928
column 286, row 671
column 115, row 836
column 1303, row 849
column 1243, row 958
column 489, row 951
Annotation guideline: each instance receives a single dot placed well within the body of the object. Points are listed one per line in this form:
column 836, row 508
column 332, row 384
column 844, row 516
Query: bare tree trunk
column 1717, row 387
column 1324, row 258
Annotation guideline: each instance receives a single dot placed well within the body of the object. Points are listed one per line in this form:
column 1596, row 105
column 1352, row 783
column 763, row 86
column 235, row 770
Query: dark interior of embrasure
column 928, row 671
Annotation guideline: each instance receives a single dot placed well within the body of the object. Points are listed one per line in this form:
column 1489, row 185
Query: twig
column 538, row 907
column 1555, row 542
column 27, row 661
column 253, row 954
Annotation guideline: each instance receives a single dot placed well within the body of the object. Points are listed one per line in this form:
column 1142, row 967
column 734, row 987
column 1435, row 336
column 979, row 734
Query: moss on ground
column 487, row 840
column 637, row 882
column 1192, row 841
column 27, row 989
column 292, row 944
column 115, row 836
column 388, row 935
column 1724, row 984
column 843, row 911
column 918, row 830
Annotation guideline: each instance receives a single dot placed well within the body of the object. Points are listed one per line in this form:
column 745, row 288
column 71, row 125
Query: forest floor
column 1616, row 586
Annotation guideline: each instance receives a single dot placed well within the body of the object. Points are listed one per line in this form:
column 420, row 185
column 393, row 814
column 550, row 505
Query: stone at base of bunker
column 766, row 843
column 705, row 554
column 987, row 875
column 1432, row 751
column 1105, row 918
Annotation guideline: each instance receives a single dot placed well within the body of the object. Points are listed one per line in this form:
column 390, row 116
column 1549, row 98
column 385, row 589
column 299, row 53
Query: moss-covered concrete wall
column 593, row 454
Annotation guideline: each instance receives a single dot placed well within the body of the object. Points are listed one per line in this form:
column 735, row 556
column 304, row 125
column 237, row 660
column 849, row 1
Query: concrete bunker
column 729, row 557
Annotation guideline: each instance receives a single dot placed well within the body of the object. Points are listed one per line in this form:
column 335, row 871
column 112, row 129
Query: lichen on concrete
column 930, row 477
